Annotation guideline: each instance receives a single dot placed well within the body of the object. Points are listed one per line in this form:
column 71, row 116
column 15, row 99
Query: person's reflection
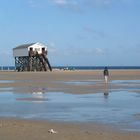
column 106, row 94
column 106, row 91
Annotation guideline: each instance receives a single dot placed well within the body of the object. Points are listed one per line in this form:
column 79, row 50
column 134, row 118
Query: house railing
column 7, row 68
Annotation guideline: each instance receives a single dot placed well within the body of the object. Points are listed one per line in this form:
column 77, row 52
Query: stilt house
column 31, row 57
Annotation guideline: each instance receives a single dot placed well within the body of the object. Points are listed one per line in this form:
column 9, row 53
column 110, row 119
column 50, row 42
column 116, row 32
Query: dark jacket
column 106, row 72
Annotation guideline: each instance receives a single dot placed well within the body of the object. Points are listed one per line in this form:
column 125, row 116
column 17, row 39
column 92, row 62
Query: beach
column 55, row 81
column 73, row 82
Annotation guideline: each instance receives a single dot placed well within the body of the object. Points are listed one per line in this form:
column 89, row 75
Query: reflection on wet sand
column 72, row 107
column 36, row 95
column 30, row 89
column 106, row 90
column 106, row 94
column 109, row 106
column 31, row 99
column 7, row 81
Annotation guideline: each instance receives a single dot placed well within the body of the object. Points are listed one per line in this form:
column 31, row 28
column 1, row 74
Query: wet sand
column 55, row 81
column 34, row 130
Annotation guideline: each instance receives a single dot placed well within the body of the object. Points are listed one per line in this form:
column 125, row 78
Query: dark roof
column 23, row 46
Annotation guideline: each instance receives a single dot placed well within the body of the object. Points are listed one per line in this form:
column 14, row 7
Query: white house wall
column 37, row 47
column 25, row 51
column 20, row 52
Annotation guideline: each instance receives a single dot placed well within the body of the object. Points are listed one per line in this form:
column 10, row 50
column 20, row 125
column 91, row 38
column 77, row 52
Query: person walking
column 106, row 74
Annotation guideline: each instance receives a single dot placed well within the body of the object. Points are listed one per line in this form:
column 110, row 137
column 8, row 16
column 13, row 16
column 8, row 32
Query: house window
column 43, row 49
column 31, row 49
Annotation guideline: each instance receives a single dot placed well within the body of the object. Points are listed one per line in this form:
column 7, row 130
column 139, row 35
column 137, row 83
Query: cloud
column 95, row 33
column 79, row 51
column 99, row 51
column 5, row 53
column 60, row 2
column 8, row 55
column 135, row 48
column 79, row 6
column 73, row 5
column 99, row 2
column 33, row 3
column 52, row 47
column 88, row 32
column 106, row 4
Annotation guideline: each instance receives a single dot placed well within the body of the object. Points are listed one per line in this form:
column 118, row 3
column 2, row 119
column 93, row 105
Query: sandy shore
column 34, row 130
column 55, row 81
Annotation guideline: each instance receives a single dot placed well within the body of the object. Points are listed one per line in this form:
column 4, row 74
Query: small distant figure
column 106, row 74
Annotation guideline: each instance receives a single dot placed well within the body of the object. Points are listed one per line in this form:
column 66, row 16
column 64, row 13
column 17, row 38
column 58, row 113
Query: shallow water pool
column 115, row 108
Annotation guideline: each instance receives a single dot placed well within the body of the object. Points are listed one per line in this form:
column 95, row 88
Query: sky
column 77, row 32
